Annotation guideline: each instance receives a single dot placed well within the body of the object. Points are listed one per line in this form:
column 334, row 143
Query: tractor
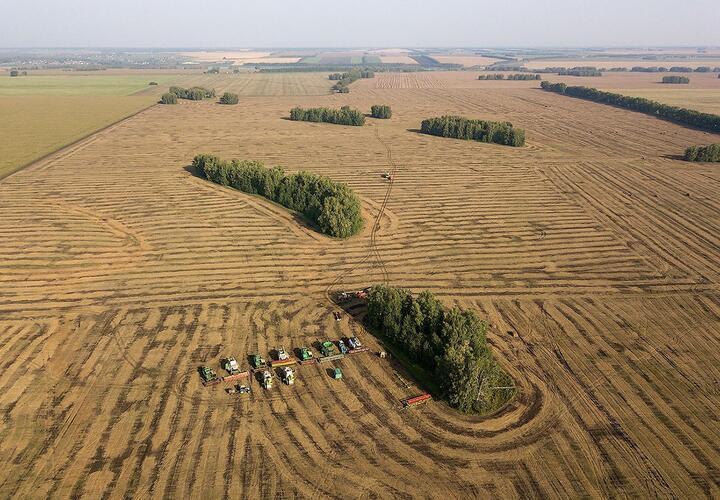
column 230, row 365
column 343, row 347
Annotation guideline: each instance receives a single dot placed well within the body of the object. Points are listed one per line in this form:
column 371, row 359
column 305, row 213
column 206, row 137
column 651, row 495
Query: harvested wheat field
column 592, row 251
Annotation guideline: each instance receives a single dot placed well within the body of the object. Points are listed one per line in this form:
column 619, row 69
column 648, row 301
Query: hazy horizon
column 323, row 24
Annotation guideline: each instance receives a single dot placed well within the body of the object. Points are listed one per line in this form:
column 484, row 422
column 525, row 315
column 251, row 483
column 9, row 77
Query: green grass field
column 705, row 100
column 78, row 84
column 33, row 126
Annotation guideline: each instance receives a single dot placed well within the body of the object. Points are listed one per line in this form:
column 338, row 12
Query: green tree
column 168, row 98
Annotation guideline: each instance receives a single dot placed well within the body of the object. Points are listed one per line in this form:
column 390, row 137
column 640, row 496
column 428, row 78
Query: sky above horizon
column 370, row 23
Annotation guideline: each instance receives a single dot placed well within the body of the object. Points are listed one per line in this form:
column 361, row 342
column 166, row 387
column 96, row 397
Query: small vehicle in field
column 354, row 343
column 343, row 348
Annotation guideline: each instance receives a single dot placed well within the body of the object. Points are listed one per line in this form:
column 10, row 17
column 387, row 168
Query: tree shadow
column 192, row 170
column 415, row 130
column 673, row 157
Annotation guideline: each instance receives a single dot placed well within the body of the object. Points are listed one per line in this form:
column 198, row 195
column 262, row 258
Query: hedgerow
column 682, row 116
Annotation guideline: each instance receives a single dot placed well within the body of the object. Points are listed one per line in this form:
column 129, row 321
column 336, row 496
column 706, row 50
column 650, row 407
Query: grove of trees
column 380, row 111
column 345, row 79
column 332, row 206
column 168, row 98
column 193, row 94
column 459, row 127
column 448, row 344
column 342, row 116
column 689, row 117
column 675, row 79
column 229, row 98
column 524, row 76
column 581, row 71
column 493, row 76
column 703, row 153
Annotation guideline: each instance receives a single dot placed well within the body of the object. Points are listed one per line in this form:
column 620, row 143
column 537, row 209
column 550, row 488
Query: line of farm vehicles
column 329, row 351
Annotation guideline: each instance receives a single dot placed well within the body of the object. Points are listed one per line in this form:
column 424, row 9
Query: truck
column 257, row 361
column 230, row 365
column 288, row 375
column 267, row 379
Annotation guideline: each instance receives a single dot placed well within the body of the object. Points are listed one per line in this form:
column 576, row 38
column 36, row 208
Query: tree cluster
column 193, row 94
column 703, row 153
column 524, row 76
column 332, row 206
column 459, row 127
column 342, row 116
column 493, row 76
column 581, row 71
column 675, row 79
column 153, row 83
column 345, row 79
column 449, row 344
column 682, row 116
column 380, row 111
column 168, row 98
column 229, row 98
column 15, row 72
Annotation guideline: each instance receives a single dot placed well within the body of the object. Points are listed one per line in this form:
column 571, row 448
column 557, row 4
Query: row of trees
column 459, row 127
column 493, row 76
column 194, row 93
column 682, row 116
column 449, row 344
column 229, row 98
column 345, row 79
column 581, row 71
column 703, row 153
column 516, row 76
column 675, row 79
column 15, row 72
column 674, row 69
column 332, row 206
column 381, row 111
column 342, row 116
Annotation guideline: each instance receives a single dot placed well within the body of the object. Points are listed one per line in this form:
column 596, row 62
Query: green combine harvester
column 257, row 361
column 327, row 348
column 208, row 375
column 305, row 354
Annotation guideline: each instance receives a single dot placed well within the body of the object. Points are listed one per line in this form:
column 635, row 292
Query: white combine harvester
column 288, row 375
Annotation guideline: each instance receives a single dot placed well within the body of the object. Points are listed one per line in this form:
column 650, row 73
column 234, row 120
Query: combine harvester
column 306, row 356
column 327, row 349
column 288, row 375
column 283, row 358
column 266, row 380
column 356, row 346
column 208, row 376
column 417, row 400
column 231, row 366
column 357, row 294
column 258, row 362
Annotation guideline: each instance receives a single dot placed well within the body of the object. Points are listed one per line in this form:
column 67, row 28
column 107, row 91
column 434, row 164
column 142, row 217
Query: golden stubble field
column 592, row 251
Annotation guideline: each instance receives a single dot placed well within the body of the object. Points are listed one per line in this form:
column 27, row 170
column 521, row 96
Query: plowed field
column 592, row 251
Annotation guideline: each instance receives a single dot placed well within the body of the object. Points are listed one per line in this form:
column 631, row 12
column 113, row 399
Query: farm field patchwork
column 79, row 84
column 591, row 252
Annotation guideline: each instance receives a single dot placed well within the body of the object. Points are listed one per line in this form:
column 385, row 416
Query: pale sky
column 360, row 23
